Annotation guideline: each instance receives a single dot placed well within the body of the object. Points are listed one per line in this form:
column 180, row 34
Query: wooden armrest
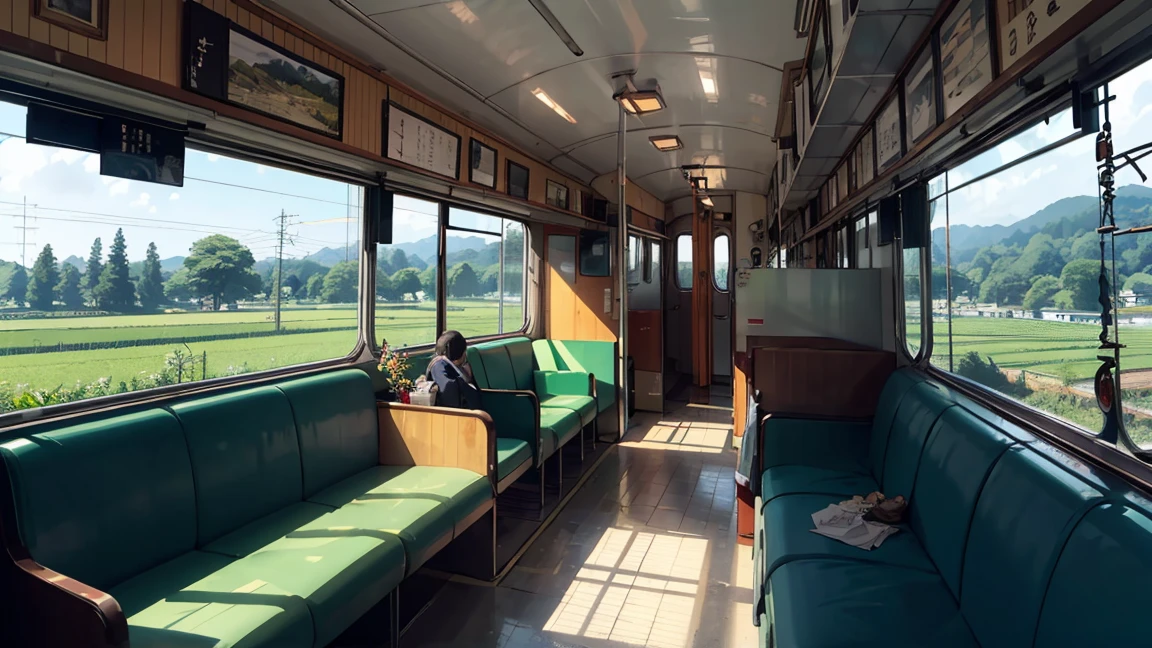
column 417, row 435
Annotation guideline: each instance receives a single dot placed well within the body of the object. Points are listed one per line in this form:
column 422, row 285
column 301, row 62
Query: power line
column 271, row 191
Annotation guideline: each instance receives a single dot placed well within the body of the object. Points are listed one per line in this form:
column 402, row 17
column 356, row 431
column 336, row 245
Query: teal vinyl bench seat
column 1004, row 537
column 257, row 517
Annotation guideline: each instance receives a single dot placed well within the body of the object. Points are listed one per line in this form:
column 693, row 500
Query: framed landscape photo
column 965, row 54
column 482, row 164
column 556, row 195
column 920, row 97
column 517, row 178
column 889, row 135
column 88, row 17
column 265, row 78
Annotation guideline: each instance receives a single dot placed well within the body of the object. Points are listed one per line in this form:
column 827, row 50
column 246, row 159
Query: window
column 562, row 257
column 654, row 269
column 863, row 254
column 720, row 261
column 635, row 259
column 1015, row 286
column 684, row 261
column 842, row 247
column 245, row 268
column 406, row 274
column 595, row 253
column 913, row 295
column 484, row 268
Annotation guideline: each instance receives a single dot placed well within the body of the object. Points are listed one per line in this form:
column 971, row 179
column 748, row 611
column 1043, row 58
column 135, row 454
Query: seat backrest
column 958, row 457
column 1098, row 595
column 479, row 374
column 245, row 457
column 523, row 363
column 897, row 385
column 498, row 366
column 336, row 423
column 104, row 500
column 594, row 357
column 917, row 413
column 1025, row 512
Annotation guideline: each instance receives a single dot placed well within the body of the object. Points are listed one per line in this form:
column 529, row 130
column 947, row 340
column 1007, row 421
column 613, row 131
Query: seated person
column 450, row 372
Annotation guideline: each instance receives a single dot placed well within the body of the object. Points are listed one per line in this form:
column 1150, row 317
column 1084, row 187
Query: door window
column 720, row 253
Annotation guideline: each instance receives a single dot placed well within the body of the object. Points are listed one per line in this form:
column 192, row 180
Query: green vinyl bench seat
column 1003, row 540
column 257, row 517
column 511, row 454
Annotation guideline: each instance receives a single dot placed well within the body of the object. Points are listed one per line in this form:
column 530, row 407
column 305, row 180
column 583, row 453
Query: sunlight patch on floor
column 636, row 587
column 681, row 436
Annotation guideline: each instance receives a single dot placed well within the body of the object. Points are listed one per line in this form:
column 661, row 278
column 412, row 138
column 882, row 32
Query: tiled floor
column 643, row 555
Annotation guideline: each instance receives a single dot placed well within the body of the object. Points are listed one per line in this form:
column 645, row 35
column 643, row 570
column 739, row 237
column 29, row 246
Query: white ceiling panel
column 671, row 184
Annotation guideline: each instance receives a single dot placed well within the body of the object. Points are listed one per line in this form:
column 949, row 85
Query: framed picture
column 820, row 64
column 556, row 195
column 482, row 164
column 578, row 201
column 889, row 135
column 417, row 140
column 229, row 63
column 920, row 97
column 87, row 17
column 866, row 164
column 517, row 180
column 965, row 54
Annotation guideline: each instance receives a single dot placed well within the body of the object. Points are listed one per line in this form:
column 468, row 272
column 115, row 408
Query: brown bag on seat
column 888, row 511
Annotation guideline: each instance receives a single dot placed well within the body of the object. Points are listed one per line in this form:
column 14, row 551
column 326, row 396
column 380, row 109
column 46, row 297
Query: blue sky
column 1068, row 171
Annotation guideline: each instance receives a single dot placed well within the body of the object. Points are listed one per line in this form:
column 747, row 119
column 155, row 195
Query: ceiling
column 718, row 64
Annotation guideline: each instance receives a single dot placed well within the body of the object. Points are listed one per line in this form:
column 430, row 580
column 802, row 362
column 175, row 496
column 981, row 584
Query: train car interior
column 575, row 323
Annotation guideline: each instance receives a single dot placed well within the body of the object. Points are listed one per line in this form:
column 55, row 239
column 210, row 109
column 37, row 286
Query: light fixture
column 707, row 201
column 551, row 103
column 666, row 142
column 639, row 102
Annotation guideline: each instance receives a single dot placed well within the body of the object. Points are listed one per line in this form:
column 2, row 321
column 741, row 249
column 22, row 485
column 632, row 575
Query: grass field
column 401, row 326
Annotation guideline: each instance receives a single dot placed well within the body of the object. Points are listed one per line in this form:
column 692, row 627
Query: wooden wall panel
column 145, row 38
column 821, row 382
column 575, row 312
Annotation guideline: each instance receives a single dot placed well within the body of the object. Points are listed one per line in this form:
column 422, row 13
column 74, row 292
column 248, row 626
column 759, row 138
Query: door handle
column 720, row 317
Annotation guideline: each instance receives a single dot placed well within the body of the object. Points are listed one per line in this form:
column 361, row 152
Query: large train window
column 721, row 251
column 406, row 274
column 860, row 236
column 115, row 285
column 635, row 259
column 684, row 262
column 485, row 274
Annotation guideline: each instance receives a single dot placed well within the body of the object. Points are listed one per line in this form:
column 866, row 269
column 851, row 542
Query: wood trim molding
column 415, row 435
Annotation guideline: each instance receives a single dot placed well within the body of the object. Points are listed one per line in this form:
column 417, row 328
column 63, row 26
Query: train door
column 646, row 321
column 721, row 304
column 678, row 280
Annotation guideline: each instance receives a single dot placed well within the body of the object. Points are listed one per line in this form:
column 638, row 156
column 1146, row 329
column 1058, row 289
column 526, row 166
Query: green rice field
column 404, row 325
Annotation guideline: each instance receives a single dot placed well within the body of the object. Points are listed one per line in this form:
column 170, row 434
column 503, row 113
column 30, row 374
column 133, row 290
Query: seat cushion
column 201, row 600
column 1024, row 515
column 584, row 406
column 789, row 480
column 423, row 525
column 510, row 453
column 497, row 366
column 1107, row 552
column 458, row 493
column 335, row 414
column 107, row 499
column 477, row 364
column 835, row 603
column 594, row 357
column 787, row 538
column 918, row 411
column 835, row 445
column 557, row 427
column 245, row 457
column 957, row 459
column 897, row 386
column 520, row 353
column 254, row 536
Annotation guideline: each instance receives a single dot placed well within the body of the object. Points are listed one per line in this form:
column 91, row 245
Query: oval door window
column 721, row 262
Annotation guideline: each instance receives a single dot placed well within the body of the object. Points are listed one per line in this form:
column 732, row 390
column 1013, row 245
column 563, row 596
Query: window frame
column 676, row 263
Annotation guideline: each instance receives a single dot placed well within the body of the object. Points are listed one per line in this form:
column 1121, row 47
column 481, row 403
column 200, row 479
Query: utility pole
column 282, row 234
column 24, row 234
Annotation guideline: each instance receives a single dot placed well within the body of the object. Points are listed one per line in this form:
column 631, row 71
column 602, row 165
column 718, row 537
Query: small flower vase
column 405, row 398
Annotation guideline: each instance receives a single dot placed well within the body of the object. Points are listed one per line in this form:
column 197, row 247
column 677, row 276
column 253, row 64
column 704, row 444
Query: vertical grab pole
column 621, row 274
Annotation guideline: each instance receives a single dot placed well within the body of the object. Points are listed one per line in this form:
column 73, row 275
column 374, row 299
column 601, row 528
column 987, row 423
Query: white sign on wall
column 417, row 141
column 1024, row 24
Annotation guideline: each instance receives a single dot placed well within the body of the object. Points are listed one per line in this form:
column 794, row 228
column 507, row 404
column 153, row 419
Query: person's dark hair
column 451, row 345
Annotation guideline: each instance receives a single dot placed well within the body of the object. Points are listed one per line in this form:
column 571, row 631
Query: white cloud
column 67, row 156
column 142, row 201
column 116, row 187
column 260, row 169
column 212, row 157
column 19, row 161
column 92, row 163
column 152, row 209
column 174, row 196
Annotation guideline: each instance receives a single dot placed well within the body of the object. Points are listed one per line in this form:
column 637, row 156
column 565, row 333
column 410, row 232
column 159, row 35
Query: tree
column 176, row 288
column 69, row 287
column 42, row 284
column 114, row 290
column 428, row 282
column 150, row 288
column 1041, row 292
column 1081, row 278
column 973, row 367
column 340, row 283
column 293, row 284
column 398, row 259
column 961, row 285
column 406, row 282
column 1141, row 284
column 490, row 280
column 17, row 285
column 384, row 288
column 1004, row 287
column 463, row 282
column 220, row 267
column 92, row 271
column 314, row 286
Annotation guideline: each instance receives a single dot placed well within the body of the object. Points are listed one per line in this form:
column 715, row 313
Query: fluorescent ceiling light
column 666, row 142
column 709, row 85
column 639, row 103
column 551, row 103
